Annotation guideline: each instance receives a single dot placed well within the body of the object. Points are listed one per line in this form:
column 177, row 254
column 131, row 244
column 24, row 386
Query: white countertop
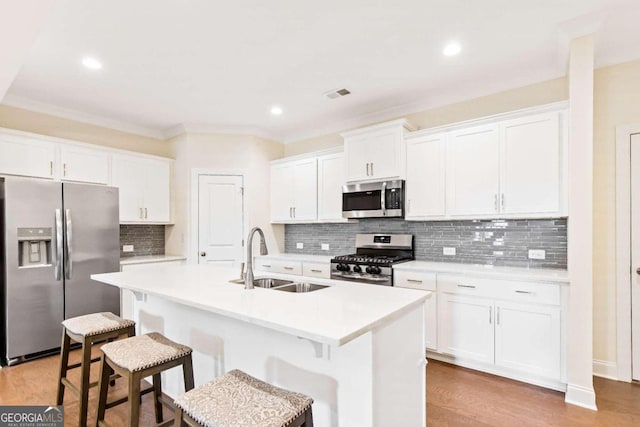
column 514, row 273
column 297, row 257
column 147, row 259
column 334, row 316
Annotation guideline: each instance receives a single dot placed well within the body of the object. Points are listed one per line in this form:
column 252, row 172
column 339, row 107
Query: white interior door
column 220, row 219
column 635, row 255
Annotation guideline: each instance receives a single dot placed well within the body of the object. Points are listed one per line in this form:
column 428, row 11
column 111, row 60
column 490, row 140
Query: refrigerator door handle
column 68, row 247
column 57, row 271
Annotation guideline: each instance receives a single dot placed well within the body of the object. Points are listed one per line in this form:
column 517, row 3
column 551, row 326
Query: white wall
column 224, row 152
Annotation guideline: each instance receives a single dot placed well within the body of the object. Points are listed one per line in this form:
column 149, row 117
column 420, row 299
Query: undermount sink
column 300, row 287
column 265, row 282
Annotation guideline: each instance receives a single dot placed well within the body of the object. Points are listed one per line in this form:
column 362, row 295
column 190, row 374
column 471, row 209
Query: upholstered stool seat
column 237, row 399
column 88, row 330
column 136, row 358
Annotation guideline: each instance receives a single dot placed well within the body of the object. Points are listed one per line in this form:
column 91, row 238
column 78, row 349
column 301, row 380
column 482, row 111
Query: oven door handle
column 383, row 198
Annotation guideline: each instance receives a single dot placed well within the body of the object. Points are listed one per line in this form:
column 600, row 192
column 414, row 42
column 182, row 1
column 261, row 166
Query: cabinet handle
column 367, row 169
column 498, row 315
column 288, row 268
column 502, row 201
column 495, row 202
column 64, row 169
column 316, row 271
column 409, row 206
column 294, row 212
column 524, row 292
column 414, row 281
column 290, row 212
column 51, row 167
column 145, row 213
column 372, row 169
column 141, row 214
column 467, row 286
column 490, row 310
column 266, row 265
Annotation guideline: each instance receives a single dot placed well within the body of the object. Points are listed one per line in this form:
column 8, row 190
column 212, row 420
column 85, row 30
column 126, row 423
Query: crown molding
column 187, row 128
column 79, row 116
column 447, row 97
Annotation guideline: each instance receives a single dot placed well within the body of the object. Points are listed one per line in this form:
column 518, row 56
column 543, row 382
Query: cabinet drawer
column 509, row 290
column 316, row 269
column 278, row 266
column 425, row 281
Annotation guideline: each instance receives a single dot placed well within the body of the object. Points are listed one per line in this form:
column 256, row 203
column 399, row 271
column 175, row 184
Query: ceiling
column 219, row 66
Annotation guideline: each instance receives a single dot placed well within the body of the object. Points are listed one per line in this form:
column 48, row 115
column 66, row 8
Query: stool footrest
column 125, row 399
column 79, row 364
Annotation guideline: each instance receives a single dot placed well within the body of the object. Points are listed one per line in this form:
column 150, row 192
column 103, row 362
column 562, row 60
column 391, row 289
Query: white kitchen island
column 357, row 350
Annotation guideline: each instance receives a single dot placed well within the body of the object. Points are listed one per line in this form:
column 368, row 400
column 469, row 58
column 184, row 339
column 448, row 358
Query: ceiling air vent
column 336, row 93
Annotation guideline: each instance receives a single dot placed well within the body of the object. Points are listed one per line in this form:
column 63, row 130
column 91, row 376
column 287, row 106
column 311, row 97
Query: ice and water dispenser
column 34, row 246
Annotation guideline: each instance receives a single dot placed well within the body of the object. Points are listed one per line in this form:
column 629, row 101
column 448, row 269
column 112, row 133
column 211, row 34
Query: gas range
column 375, row 255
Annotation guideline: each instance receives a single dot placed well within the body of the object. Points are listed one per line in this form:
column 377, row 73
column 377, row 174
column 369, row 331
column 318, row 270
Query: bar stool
column 87, row 330
column 136, row 358
column 238, row 399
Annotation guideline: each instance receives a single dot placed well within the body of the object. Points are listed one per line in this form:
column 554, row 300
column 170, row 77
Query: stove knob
column 342, row 267
column 375, row 270
column 357, row 269
column 369, row 269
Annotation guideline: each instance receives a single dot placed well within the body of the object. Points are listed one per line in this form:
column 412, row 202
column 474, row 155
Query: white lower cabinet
column 527, row 338
column 424, row 281
column 466, row 327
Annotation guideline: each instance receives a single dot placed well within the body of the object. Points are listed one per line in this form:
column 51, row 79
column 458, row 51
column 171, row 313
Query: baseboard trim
column 581, row 396
column 605, row 369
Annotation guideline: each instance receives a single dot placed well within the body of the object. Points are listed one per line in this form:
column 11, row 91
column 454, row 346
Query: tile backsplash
column 496, row 242
column 146, row 239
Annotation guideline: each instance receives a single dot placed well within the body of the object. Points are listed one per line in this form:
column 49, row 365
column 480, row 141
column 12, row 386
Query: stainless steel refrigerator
column 53, row 236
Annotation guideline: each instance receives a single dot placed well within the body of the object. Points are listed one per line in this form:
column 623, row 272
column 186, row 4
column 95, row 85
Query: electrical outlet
column 127, row 248
column 299, row 245
column 448, row 251
column 536, row 254
column 324, row 246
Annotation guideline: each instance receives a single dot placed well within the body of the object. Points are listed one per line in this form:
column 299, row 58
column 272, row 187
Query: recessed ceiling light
column 92, row 63
column 451, row 49
column 276, row 111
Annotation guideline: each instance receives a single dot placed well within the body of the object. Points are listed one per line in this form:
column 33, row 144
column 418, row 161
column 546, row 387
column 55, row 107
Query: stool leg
column 187, row 373
column 308, row 418
column 177, row 417
column 105, row 372
column 84, row 382
column 64, row 362
column 157, row 393
column 134, row 399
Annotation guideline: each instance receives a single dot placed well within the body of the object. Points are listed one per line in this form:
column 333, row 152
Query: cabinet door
column 305, row 190
column 465, row 327
column 528, row 338
column 129, row 177
column 330, row 182
column 431, row 323
column 281, row 194
column 425, row 185
column 385, row 149
column 531, row 164
column 84, row 165
column 357, row 158
column 26, row 158
column 473, row 171
column 157, row 190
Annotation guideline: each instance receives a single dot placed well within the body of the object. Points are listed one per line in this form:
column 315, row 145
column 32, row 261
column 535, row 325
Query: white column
column 580, row 233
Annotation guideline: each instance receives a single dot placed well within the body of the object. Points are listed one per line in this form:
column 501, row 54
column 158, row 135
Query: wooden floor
column 455, row 397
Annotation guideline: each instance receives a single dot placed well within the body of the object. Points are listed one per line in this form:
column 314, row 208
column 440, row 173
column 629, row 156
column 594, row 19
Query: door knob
column 203, row 253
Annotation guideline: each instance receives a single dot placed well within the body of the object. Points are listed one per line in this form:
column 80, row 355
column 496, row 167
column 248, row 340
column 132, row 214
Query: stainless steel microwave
column 383, row 199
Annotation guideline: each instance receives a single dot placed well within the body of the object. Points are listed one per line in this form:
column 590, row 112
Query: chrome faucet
column 248, row 277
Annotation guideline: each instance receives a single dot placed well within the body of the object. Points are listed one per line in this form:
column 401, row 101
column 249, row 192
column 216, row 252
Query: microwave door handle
column 383, row 198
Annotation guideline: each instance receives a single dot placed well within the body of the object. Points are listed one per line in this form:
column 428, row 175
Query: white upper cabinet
column 376, row 152
column 330, row 181
column 294, row 191
column 144, row 187
column 531, row 164
column 473, row 171
column 425, row 186
column 21, row 156
column 495, row 168
column 81, row 164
